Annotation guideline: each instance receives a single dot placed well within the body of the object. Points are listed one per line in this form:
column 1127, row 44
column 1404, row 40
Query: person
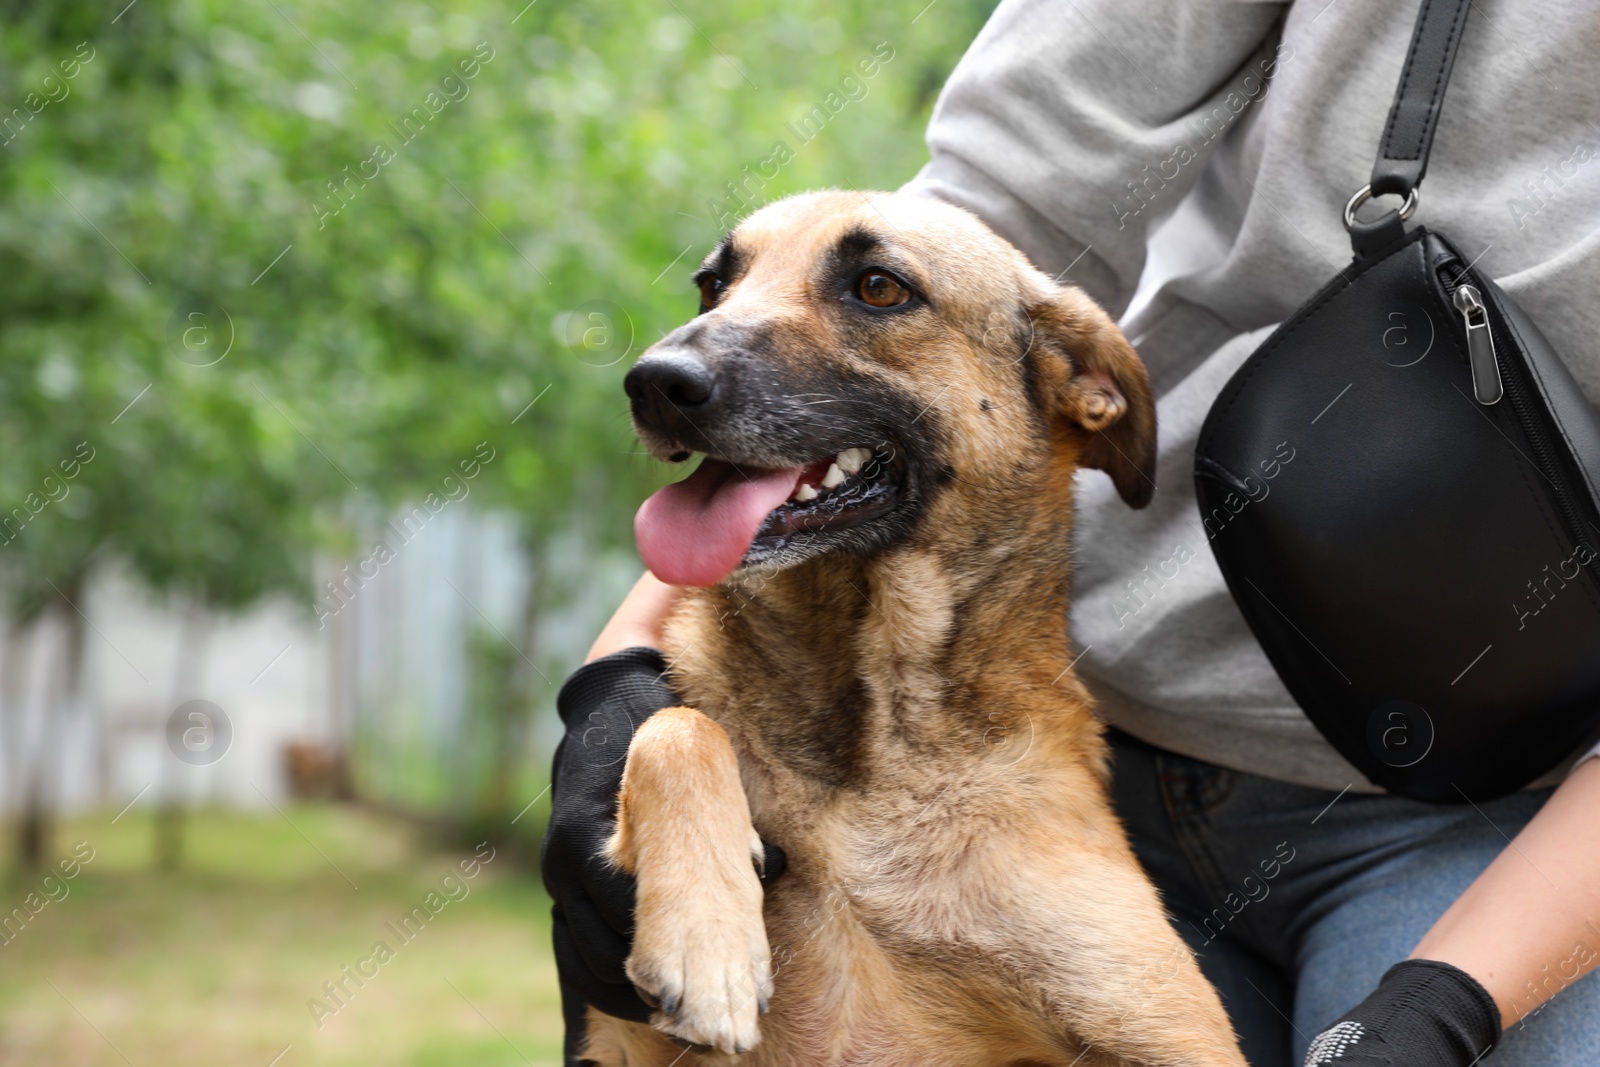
column 1186, row 164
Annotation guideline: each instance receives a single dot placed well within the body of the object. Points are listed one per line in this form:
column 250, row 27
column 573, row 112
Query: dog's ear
column 1090, row 376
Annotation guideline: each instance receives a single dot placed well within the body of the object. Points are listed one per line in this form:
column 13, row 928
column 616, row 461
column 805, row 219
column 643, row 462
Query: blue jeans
column 1297, row 902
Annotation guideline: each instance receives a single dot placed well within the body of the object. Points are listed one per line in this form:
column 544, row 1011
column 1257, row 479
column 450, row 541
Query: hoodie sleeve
column 1072, row 126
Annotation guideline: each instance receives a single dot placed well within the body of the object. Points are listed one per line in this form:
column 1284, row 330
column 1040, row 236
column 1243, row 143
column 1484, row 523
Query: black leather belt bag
column 1425, row 575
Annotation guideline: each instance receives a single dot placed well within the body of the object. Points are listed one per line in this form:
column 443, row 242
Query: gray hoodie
column 1186, row 163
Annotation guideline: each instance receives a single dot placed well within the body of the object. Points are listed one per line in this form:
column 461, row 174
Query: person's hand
column 602, row 704
column 620, row 685
column 1423, row 1014
column 639, row 619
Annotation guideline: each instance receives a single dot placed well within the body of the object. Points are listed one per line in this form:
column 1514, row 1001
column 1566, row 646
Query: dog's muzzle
column 671, row 390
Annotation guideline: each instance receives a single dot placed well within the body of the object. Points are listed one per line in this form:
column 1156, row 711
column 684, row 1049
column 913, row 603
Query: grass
column 215, row 963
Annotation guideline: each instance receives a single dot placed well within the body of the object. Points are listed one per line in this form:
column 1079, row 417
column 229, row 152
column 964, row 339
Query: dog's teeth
column 852, row 459
column 833, row 477
column 804, row 492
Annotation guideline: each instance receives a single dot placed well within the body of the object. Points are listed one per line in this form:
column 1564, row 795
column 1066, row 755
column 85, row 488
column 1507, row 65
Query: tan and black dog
column 892, row 404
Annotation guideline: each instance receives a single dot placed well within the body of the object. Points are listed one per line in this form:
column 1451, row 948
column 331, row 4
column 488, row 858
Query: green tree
column 284, row 266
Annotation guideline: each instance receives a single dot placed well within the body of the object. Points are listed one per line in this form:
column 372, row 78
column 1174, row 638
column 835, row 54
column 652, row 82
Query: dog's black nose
column 674, row 377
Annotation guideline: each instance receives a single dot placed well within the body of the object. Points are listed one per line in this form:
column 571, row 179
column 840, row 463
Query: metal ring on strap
column 1364, row 194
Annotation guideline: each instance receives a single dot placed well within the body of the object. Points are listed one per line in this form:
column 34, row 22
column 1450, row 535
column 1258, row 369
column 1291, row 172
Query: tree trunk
column 33, row 821
column 512, row 721
column 29, row 845
column 13, row 707
column 187, row 671
column 43, row 773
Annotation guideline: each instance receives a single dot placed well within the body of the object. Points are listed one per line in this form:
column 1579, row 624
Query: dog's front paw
column 703, row 960
column 683, row 831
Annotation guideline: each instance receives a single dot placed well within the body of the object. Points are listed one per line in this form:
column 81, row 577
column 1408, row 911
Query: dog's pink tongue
column 696, row 531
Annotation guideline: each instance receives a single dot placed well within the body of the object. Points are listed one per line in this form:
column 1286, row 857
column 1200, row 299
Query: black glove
column 1423, row 1014
column 602, row 704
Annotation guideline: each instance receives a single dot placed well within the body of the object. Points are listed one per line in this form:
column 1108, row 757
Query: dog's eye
column 881, row 290
column 710, row 291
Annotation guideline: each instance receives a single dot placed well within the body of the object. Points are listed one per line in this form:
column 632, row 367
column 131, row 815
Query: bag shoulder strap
column 1408, row 135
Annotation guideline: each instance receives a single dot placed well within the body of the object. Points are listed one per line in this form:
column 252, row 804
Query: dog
column 892, row 404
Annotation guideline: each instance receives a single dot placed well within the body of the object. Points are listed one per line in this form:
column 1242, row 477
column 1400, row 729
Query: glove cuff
column 1424, row 1013
column 634, row 678
column 1447, row 993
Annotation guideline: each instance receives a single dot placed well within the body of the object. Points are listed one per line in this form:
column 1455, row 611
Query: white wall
column 393, row 654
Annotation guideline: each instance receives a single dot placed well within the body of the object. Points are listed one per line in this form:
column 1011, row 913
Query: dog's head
column 861, row 363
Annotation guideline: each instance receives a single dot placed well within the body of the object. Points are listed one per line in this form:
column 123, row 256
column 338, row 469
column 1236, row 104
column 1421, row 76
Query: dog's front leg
column 1132, row 988
column 683, row 831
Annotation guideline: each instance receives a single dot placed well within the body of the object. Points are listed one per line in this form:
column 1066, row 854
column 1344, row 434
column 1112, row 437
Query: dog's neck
column 928, row 645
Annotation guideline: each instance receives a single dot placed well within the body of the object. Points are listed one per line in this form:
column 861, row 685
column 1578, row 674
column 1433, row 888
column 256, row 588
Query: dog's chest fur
column 885, row 748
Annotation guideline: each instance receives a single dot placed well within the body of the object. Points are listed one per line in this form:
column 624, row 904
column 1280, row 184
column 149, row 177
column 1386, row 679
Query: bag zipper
column 1486, row 384
column 1490, row 378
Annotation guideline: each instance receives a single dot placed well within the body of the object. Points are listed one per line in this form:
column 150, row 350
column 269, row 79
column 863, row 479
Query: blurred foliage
column 275, row 268
column 415, row 312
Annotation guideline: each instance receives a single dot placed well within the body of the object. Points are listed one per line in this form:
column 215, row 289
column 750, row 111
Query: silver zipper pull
column 1480, row 345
